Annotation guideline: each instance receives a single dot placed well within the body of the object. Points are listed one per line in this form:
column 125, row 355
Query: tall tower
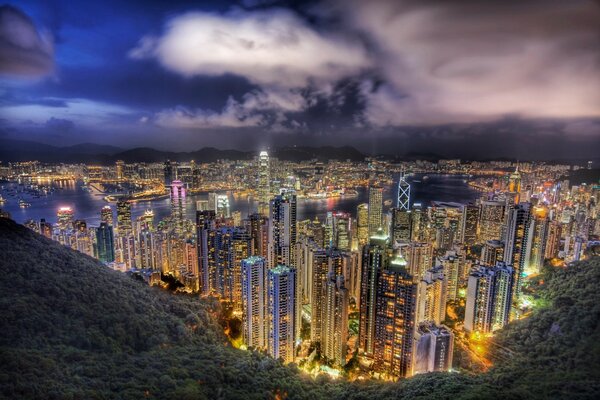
column 124, row 225
column 514, row 184
column 106, row 215
column 362, row 223
column 65, row 218
column 264, row 182
column 325, row 262
column 105, row 248
column 281, row 303
column 491, row 220
column 334, row 334
column 375, row 209
column 517, row 240
column 403, row 201
column 253, row 302
column 178, row 195
column 205, row 231
column 538, row 238
column 282, row 230
column 120, row 167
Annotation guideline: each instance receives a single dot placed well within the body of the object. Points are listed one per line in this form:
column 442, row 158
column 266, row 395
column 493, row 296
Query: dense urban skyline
column 511, row 79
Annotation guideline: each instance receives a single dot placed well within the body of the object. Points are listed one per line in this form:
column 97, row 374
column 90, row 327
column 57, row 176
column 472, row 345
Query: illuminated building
column 452, row 263
column 362, row 222
column 148, row 219
column 553, row 242
column 281, row 305
column 178, row 194
column 232, row 245
column 417, row 223
column 431, row 298
column 433, row 349
column 403, row 200
column 205, row 231
column 325, row 262
column 470, row 224
column 146, row 250
column 395, row 312
column 120, row 167
column 489, row 297
column 492, row 252
column 65, row 218
column 375, row 211
column 282, row 230
column 264, row 182
column 334, row 333
column 306, row 248
column 538, row 236
column 254, row 321
column 517, row 240
column 514, row 184
column 105, row 243
column 258, row 226
column 106, row 215
column 374, row 256
column 420, row 258
column 170, row 172
column 400, row 227
column 342, row 225
column 491, row 220
column 124, row 224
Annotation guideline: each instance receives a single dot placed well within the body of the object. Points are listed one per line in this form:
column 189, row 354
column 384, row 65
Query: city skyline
column 258, row 74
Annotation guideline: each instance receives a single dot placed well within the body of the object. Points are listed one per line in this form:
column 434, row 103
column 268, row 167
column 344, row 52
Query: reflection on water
column 87, row 205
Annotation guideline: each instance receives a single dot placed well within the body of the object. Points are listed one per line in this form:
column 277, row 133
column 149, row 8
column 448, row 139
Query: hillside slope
column 72, row 329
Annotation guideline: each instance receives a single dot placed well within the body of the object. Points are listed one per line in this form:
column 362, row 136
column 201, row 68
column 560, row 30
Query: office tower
column 403, row 201
column 362, row 222
column 306, row 249
column 514, row 184
column 147, row 220
column 451, row 263
column 105, row 243
column 120, row 167
column 190, row 261
column 553, row 242
column 417, row 223
column 374, row 257
column 489, row 294
column 106, row 215
column 254, row 308
column 395, row 312
column 334, row 333
column 281, row 305
column 420, row 258
column 205, row 230
column 325, row 262
column 492, row 252
column 146, row 251
column 516, row 246
column 232, row 245
column 400, row 227
column 342, row 225
column 491, row 220
column 64, row 217
column 351, row 272
column 264, row 182
column 124, row 224
column 258, row 226
column 431, row 298
column 433, row 349
column 470, row 216
column 220, row 204
column 282, row 230
column 178, row 194
column 538, row 237
column 375, row 209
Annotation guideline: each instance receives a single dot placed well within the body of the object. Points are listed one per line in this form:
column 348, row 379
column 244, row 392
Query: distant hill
column 73, row 329
column 17, row 150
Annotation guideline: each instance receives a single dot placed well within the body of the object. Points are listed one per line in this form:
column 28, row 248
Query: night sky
column 456, row 78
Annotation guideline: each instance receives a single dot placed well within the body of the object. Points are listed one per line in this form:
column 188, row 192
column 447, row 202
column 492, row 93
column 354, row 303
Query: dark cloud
column 24, row 51
column 60, row 125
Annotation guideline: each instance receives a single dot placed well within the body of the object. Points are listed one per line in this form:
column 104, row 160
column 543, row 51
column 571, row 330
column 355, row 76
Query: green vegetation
column 73, row 329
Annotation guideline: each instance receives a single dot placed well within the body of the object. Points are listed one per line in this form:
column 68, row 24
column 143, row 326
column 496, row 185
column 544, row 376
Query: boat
column 23, row 204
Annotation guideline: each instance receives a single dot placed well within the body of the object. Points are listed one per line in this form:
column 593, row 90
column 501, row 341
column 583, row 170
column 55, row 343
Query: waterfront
column 87, row 205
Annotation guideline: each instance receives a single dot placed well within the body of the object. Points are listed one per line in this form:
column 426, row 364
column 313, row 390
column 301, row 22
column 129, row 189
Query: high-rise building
column 400, row 228
column 120, row 167
column 282, row 230
column 282, row 309
column 146, row 249
column 374, row 257
column 325, row 262
column 334, row 333
column 553, row 241
column 178, row 195
column 433, row 349
column 431, row 298
column 170, row 172
column 106, row 215
column 538, row 237
column 489, row 294
column 403, row 201
column 395, row 313
column 362, row 223
column 514, row 184
column 258, row 226
column 105, row 249
column 491, row 220
column 417, row 223
column 64, row 217
column 470, row 225
column 124, row 224
column 492, row 252
column 342, row 226
column 420, row 258
column 375, row 209
column 264, row 183
column 205, row 232
column 254, row 308
column 517, row 240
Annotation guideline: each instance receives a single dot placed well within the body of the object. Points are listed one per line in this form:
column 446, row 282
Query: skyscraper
column 470, row 224
column 282, row 230
column 403, row 201
column 178, row 195
column 124, row 225
column 492, row 252
column 334, row 334
column 538, row 237
column 491, row 220
column 431, row 299
column 105, row 249
column 64, row 216
column 254, row 308
column 516, row 246
column 489, row 294
column 433, row 349
column 401, row 221
column 106, row 215
column 375, row 208
column 362, row 223
column 264, row 182
column 325, row 262
column 205, row 231
column 281, row 303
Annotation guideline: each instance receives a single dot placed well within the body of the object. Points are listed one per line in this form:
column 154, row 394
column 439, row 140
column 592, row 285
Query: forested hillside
column 73, row 329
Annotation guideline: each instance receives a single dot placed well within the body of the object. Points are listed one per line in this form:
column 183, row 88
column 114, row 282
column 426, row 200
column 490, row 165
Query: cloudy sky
column 504, row 78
